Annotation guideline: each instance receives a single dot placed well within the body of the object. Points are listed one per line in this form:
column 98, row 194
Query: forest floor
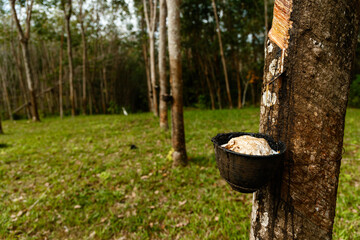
column 78, row 178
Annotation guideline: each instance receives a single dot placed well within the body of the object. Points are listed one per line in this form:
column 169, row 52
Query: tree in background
column 162, row 66
column 24, row 42
column 305, row 107
column 67, row 8
column 84, row 56
column 151, row 27
column 222, row 54
column 61, row 106
column 1, row 130
column 174, row 36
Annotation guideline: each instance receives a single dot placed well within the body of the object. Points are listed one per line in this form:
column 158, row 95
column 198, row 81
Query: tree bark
column 208, row 82
column 61, row 77
column 24, row 40
column 178, row 131
column 216, row 83
column 222, row 55
column 84, row 57
column 162, row 67
column 23, row 89
column 148, row 79
column 1, row 129
column 67, row 8
column 266, row 22
column 305, row 107
column 6, row 94
column 151, row 25
column 238, row 67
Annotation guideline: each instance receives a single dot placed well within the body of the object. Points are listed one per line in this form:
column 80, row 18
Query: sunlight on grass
column 81, row 179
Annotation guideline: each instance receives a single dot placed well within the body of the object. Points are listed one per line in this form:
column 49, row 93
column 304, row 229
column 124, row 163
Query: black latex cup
column 247, row 173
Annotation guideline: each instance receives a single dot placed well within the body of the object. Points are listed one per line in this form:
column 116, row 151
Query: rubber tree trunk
column 29, row 80
column 153, row 74
column 1, row 129
column 178, row 131
column 61, row 77
column 266, row 21
column 24, row 37
column 84, row 58
column 148, row 79
column 6, row 95
column 162, row 67
column 222, row 55
column 23, row 89
column 67, row 14
column 306, row 108
column 238, row 66
column 151, row 26
column 208, row 82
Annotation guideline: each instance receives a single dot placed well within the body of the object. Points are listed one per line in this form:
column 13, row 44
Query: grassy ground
column 79, row 179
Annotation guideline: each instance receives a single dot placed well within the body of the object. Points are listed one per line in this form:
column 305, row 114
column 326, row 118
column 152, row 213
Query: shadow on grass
column 4, row 145
column 202, row 160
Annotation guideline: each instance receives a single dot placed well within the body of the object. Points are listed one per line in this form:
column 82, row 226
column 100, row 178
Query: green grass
column 79, row 179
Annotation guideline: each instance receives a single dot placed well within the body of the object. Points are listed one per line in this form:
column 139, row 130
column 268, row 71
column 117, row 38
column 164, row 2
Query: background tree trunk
column 61, row 77
column 151, row 25
column 162, row 67
column 305, row 108
column 84, row 57
column 222, row 54
column 266, row 22
column 1, row 130
column 6, row 96
column 178, row 131
column 67, row 13
column 24, row 40
column 238, row 69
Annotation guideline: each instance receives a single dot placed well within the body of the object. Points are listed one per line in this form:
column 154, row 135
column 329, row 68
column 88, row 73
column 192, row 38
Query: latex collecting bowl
column 247, row 173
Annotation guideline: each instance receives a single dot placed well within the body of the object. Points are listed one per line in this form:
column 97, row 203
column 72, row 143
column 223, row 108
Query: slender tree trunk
column 153, row 74
column 84, row 58
column 151, row 105
column 1, row 129
column 24, row 38
column 238, row 67
column 244, row 93
column 102, row 97
column 6, row 95
column 162, row 67
column 61, row 77
column 21, row 78
column 305, row 108
column 216, row 83
column 208, row 82
column 222, row 54
column 178, row 131
column 151, row 25
column 29, row 77
column 67, row 14
column 266, row 22
column 106, row 90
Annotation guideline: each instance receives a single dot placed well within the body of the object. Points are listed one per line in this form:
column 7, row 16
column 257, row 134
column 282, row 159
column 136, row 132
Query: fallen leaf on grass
column 77, row 206
column 216, row 219
column 182, row 202
column 144, row 177
column 152, row 207
column 182, row 224
column 92, row 234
